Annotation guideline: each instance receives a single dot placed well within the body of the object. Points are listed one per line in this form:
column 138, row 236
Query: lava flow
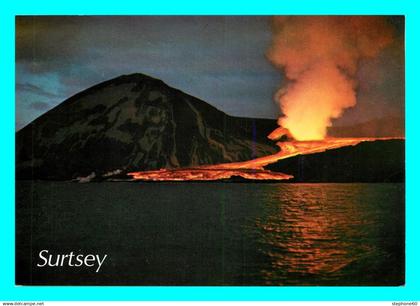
column 251, row 169
column 207, row 174
column 293, row 148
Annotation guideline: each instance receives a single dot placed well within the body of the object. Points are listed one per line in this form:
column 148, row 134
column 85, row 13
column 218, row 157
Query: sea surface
column 213, row 233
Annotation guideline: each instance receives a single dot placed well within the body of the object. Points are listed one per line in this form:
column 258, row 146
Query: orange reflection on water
column 310, row 235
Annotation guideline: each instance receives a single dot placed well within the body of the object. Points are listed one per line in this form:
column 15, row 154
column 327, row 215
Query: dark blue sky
column 218, row 59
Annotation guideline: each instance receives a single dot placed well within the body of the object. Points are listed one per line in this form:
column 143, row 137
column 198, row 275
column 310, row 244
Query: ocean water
column 213, row 233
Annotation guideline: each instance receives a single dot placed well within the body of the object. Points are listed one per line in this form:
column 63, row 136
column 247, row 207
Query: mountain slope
column 135, row 122
column 376, row 161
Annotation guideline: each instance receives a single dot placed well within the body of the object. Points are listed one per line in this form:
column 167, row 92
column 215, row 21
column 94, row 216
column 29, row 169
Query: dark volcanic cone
column 132, row 123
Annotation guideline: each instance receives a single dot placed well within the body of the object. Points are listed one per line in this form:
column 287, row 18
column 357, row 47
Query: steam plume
column 320, row 57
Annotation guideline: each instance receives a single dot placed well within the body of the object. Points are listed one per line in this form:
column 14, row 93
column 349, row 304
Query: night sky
column 221, row 60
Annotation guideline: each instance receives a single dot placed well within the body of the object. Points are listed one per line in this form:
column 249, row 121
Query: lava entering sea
column 251, row 169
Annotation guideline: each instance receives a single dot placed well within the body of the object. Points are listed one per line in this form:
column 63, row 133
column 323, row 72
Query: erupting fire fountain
column 319, row 56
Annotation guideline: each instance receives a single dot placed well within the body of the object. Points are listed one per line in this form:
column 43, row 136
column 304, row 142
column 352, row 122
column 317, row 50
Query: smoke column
column 320, row 56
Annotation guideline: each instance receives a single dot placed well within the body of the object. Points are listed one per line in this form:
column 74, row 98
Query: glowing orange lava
column 293, row 148
column 251, row 169
column 207, row 174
